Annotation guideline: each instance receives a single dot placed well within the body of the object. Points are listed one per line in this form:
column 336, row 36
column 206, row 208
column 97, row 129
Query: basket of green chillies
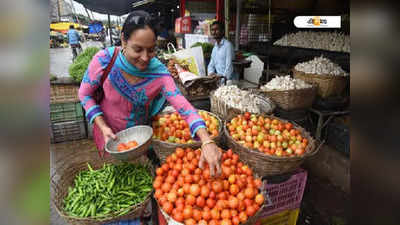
column 102, row 192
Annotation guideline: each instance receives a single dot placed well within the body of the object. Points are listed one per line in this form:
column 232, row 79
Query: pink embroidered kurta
column 125, row 105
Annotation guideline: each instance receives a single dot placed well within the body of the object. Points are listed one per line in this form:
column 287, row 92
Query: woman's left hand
column 212, row 156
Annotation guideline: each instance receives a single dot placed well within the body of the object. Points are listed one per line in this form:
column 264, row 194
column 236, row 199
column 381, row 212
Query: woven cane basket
column 328, row 85
column 200, row 88
column 292, row 99
column 225, row 111
column 64, row 178
column 163, row 149
column 268, row 165
column 250, row 221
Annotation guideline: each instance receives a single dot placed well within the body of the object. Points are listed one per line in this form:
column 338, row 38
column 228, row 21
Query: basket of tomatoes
column 270, row 145
column 187, row 194
column 171, row 132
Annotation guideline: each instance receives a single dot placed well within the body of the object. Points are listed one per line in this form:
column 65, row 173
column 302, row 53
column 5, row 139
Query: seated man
column 222, row 55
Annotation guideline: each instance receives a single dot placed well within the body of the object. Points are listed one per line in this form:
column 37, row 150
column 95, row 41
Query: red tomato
column 167, row 207
column 187, row 212
column 217, row 186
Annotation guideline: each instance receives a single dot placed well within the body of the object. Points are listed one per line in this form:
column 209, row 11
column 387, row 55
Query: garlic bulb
column 285, row 83
column 321, row 65
column 234, row 97
column 331, row 41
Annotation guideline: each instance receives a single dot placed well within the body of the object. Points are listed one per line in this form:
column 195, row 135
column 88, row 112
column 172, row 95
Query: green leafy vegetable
column 78, row 68
column 207, row 48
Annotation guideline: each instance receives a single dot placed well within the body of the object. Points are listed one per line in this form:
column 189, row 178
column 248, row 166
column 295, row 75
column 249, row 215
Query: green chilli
column 112, row 189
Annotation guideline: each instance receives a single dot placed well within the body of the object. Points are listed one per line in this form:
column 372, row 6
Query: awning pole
column 109, row 29
column 237, row 31
column 227, row 19
column 182, row 7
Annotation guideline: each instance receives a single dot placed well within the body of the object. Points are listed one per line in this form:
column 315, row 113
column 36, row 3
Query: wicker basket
column 225, row 111
column 164, row 149
column 64, row 178
column 268, row 165
column 327, row 85
column 62, row 93
column 200, row 88
column 250, row 221
column 292, row 99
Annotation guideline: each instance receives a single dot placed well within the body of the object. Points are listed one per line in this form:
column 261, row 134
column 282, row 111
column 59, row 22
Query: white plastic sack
column 195, row 57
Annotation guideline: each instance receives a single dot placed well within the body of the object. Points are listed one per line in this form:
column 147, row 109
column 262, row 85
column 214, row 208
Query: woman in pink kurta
column 136, row 88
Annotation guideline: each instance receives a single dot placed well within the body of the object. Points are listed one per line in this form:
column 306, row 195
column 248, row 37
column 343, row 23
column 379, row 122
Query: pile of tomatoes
column 191, row 196
column 172, row 128
column 126, row 146
column 270, row 136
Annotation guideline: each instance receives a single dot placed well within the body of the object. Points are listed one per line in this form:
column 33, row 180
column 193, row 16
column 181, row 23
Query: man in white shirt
column 222, row 55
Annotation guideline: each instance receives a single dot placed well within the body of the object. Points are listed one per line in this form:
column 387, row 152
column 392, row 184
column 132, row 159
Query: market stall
column 264, row 133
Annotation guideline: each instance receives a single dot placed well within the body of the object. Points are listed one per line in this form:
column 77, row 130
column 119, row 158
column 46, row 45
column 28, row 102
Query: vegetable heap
column 285, row 83
column 191, row 196
column 111, row 189
column 172, row 128
column 268, row 135
column 206, row 47
column 78, row 68
column 321, row 65
column 126, row 146
column 331, row 41
column 236, row 98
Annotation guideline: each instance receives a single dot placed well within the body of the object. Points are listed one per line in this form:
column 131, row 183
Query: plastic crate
column 67, row 131
column 286, row 217
column 286, row 195
column 63, row 112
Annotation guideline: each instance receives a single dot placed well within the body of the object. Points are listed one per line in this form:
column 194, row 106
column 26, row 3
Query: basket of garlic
column 229, row 100
column 330, row 78
column 289, row 93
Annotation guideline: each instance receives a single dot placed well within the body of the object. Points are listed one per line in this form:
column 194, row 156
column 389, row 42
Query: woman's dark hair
column 138, row 20
column 71, row 26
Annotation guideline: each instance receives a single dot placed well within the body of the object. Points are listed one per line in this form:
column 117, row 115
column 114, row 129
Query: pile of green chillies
column 111, row 189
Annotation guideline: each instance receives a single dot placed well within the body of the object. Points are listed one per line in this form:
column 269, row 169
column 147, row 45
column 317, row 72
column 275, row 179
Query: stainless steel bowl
column 141, row 134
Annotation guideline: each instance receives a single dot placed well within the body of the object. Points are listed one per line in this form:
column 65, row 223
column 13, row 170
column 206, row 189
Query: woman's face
column 140, row 48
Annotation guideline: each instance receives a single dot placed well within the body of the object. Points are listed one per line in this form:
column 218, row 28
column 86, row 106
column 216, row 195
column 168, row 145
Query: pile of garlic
column 234, row 97
column 331, row 41
column 285, row 83
column 321, row 65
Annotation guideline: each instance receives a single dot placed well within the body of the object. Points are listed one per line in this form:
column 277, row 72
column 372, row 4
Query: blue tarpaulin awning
column 95, row 28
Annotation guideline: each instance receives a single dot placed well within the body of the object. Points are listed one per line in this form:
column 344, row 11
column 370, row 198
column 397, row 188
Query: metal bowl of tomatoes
column 130, row 143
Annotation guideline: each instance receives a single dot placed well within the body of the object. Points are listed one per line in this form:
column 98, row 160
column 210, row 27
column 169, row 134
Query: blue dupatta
column 154, row 70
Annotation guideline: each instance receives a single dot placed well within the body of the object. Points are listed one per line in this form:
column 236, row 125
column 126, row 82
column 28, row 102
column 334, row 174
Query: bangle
column 207, row 142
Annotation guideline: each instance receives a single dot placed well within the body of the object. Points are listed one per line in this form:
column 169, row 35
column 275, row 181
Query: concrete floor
column 61, row 58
